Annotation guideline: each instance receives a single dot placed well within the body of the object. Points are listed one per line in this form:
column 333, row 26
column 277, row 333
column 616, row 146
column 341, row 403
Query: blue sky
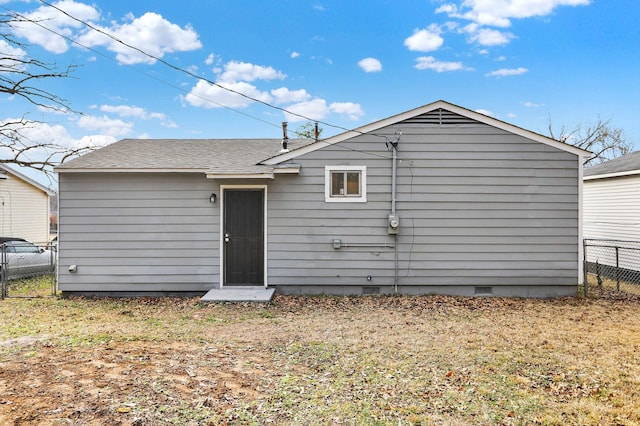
column 345, row 63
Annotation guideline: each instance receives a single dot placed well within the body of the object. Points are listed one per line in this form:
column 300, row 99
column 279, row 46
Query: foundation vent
column 483, row 291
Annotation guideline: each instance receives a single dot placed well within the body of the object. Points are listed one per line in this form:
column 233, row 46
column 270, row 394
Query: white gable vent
column 442, row 117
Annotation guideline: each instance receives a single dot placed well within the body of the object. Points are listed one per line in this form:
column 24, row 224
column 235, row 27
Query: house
column 24, row 206
column 439, row 199
column 612, row 219
column 612, row 199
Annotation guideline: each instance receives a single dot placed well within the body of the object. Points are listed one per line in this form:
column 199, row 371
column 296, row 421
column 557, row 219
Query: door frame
column 222, row 221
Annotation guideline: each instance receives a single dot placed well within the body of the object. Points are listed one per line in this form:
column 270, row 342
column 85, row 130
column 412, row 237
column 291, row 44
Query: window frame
column 362, row 198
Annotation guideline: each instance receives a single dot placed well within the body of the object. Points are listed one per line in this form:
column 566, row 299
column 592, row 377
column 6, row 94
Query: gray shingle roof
column 241, row 156
column 625, row 163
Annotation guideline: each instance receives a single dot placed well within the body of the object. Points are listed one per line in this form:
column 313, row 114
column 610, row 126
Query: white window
column 345, row 184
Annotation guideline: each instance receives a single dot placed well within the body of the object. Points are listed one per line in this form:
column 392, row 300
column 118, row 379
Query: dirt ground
column 103, row 385
column 400, row 360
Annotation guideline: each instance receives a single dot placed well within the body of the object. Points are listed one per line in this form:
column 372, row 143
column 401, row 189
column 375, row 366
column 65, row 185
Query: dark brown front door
column 243, row 236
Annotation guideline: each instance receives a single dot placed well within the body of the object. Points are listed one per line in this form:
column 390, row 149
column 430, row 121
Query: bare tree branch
column 17, row 148
column 21, row 76
column 600, row 138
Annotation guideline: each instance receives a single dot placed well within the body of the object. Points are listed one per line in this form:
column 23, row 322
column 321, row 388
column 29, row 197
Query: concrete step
column 239, row 294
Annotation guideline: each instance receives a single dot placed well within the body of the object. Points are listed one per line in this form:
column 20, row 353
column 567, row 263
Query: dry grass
column 321, row 360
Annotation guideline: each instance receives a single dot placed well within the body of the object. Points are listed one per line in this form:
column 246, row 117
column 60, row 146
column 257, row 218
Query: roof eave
column 129, row 170
column 612, row 175
column 217, row 175
column 27, row 179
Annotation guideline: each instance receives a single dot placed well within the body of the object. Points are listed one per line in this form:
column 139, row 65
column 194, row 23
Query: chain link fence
column 27, row 269
column 612, row 265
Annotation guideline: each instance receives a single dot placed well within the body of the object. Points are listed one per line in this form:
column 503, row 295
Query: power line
column 187, row 72
column 146, row 74
column 190, row 74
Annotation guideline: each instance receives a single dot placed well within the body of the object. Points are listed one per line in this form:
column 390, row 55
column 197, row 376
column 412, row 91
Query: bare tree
column 604, row 141
column 20, row 76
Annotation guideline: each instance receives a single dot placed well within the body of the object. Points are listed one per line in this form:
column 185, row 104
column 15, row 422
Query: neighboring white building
column 612, row 199
column 24, row 207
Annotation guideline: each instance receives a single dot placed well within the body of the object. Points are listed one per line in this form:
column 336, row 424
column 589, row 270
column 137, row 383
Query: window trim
column 345, row 199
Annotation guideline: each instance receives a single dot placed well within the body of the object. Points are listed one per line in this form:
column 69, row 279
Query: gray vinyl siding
column 138, row 232
column 478, row 207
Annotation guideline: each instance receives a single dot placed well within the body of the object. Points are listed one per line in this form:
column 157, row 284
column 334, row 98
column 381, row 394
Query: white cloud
column 498, row 13
column 207, row 95
column 11, row 57
column 234, row 79
column 505, row 72
column 430, row 63
column 370, row 65
column 56, row 21
column 485, row 112
column 294, row 55
column 150, row 33
column 449, row 9
column 105, row 125
column 242, row 71
column 285, row 96
column 39, row 133
column 490, row 37
column 209, row 60
column 529, row 104
column 354, row 111
column 94, row 141
column 137, row 112
column 425, row 40
column 316, row 109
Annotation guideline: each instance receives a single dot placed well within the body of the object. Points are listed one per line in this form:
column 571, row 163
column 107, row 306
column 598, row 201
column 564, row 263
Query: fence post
column 617, row 269
column 584, row 266
column 3, row 274
column 54, row 268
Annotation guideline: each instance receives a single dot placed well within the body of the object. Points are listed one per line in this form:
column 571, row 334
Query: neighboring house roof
column 210, row 156
column 253, row 157
column 622, row 166
column 8, row 170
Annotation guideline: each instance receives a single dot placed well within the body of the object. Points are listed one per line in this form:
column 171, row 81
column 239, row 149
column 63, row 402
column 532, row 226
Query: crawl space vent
column 483, row 291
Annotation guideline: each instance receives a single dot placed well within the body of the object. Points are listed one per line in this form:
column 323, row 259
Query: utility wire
column 131, row 67
column 189, row 73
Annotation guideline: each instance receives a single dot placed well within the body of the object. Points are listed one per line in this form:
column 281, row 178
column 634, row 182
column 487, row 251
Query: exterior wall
column 138, row 232
column 481, row 211
column 24, row 210
column 611, row 208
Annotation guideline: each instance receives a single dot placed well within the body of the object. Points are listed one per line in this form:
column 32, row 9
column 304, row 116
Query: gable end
column 441, row 117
